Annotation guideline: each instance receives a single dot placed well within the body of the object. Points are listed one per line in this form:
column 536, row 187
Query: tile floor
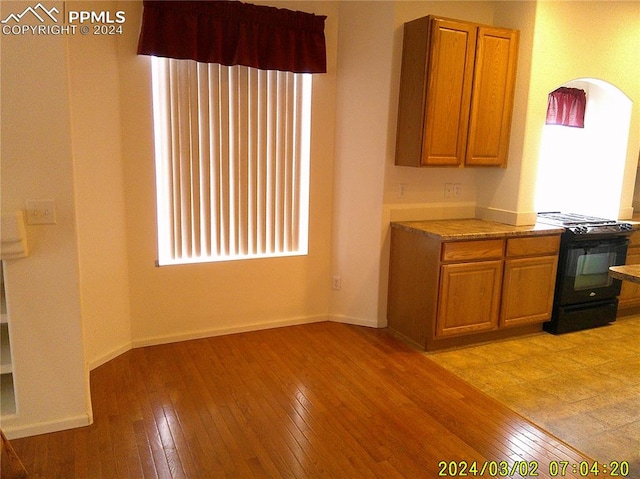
column 584, row 387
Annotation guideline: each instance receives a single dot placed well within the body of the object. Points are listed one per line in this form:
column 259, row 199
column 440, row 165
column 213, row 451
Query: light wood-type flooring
column 324, row 400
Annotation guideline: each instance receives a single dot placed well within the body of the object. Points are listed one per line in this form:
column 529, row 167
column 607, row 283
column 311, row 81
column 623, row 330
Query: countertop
column 468, row 229
column 630, row 272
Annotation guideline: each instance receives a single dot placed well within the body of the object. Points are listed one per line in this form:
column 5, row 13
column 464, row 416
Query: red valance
column 566, row 106
column 234, row 33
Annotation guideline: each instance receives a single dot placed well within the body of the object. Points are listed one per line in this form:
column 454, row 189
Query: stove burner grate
column 574, row 219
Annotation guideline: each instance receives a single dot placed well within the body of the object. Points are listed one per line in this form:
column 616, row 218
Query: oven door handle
column 586, row 243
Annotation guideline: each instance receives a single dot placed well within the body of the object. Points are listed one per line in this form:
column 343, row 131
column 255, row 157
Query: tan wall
column 576, row 40
column 50, row 378
column 175, row 302
column 76, row 126
column 366, row 181
column 94, row 85
column 560, row 41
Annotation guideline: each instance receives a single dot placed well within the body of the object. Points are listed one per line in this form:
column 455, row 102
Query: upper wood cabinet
column 456, row 93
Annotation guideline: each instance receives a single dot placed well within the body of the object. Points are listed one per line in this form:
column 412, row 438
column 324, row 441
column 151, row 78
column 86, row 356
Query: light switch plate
column 41, row 212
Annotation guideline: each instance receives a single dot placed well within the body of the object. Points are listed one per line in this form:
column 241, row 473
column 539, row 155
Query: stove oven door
column 583, row 275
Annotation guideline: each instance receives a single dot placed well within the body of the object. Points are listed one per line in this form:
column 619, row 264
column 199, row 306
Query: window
column 232, row 161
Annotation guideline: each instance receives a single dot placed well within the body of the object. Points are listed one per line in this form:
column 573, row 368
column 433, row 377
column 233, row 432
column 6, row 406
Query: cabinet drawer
column 472, row 250
column 533, row 245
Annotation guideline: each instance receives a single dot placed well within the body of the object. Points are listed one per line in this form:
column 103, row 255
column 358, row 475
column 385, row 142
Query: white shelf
column 5, row 350
column 7, row 395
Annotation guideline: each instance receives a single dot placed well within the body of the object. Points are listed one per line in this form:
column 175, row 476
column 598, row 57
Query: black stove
column 577, row 224
column 585, row 295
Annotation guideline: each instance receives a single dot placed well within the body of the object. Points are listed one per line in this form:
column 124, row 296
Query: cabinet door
column 492, row 101
column 469, row 298
column 527, row 292
column 450, row 78
column 630, row 292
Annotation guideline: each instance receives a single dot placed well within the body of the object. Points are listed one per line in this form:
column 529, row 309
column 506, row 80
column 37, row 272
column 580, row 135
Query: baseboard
column 207, row 333
column 15, row 431
column 109, row 356
column 370, row 323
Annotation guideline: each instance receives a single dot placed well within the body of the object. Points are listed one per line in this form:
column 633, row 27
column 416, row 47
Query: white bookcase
column 7, row 392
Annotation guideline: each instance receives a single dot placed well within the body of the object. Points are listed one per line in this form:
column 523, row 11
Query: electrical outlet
column 41, row 212
column 457, row 189
column 336, row 282
column 402, row 188
column 448, row 190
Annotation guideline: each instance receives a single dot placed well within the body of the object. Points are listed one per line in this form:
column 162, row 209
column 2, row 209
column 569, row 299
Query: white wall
column 576, row 40
column 366, row 184
column 501, row 191
column 365, row 50
column 551, row 48
column 99, row 188
column 424, row 187
column 186, row 301
column 51, row 381
column 581, row 170
column 76, row 126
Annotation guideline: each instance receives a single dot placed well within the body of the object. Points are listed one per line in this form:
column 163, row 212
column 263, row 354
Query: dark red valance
column 566, row 107
column 234, row 33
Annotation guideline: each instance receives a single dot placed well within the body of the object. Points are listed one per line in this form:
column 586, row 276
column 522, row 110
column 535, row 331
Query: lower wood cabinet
column 527, row 291
column 445, row 293
column 469, row 298
column 629, row 299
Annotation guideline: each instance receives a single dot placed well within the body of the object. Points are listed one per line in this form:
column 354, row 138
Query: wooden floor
column 324, row 400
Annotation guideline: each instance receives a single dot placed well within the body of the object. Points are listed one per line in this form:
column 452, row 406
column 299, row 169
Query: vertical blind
column 232, row 161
